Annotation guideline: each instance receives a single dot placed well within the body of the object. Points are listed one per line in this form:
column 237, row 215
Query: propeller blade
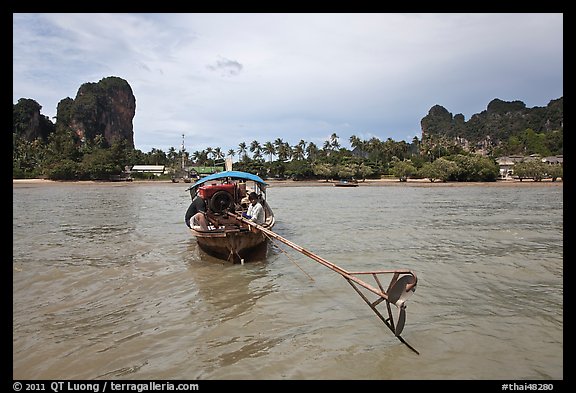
column 401, row 320
column 398, row 294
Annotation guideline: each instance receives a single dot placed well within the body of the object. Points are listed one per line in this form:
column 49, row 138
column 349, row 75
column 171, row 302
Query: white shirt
column 257, row 213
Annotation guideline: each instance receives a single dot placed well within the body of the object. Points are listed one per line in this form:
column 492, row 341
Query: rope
column 288, row 255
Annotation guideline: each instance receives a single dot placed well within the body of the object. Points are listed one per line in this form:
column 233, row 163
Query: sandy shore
column 318, row 183
column 413, row 183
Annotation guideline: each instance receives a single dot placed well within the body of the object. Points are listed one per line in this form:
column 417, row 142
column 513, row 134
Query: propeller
column 401, row 290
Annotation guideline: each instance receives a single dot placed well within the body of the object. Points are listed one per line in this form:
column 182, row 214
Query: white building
column 153, row 169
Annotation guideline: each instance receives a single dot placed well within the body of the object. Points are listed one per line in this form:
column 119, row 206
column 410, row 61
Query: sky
column 223, row 79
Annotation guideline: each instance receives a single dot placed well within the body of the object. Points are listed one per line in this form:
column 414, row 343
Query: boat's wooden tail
column 401, row 286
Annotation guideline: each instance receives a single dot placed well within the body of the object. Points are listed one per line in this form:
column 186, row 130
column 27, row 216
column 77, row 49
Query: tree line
column 63, row 157
column 92, row 139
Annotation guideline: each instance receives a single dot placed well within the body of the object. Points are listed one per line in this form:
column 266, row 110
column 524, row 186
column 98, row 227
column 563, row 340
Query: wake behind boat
column 226, row 237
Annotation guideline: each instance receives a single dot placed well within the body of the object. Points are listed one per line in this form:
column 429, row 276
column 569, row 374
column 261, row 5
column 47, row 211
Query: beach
column 322, row 183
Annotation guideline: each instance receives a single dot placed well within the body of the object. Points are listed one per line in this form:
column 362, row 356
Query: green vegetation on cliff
column 93, row 140
column 504, row 128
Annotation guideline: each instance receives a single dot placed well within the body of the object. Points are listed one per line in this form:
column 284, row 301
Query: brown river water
column 108, row 283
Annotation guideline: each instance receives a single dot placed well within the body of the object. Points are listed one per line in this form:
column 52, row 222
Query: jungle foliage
column 447, row 152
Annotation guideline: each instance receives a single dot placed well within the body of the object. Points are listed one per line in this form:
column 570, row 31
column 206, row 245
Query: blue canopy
column 232, row 174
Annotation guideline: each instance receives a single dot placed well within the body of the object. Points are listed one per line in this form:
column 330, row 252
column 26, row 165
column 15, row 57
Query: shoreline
column 311, row 183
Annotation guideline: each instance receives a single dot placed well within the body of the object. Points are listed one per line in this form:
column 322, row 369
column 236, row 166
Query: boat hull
column 346, row 183
column 235, row 246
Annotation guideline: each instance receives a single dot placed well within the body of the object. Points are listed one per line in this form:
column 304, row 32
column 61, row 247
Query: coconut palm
column 218, row 154
column 334, row 144
column 299, row 150
column 255, row 148
column 242, row 152
column 269, row 149
column 312, row 151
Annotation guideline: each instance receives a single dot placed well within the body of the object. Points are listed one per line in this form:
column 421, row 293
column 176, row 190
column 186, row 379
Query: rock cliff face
column 28, row 122
column 500, row 120
column 105, row 108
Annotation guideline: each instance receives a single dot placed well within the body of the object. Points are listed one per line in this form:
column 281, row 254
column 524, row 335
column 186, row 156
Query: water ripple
column 108, row 283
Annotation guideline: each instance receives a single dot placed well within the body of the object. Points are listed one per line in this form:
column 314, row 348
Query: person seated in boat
column 245, row 200
column 255, row 210
column 195, row 213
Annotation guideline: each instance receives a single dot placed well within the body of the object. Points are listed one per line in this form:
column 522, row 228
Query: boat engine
column 218, row 197
column 221, row 201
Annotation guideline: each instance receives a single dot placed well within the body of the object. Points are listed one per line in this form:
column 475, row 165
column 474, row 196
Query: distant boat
column 225, row 194
column 185, row 178
column 346, row 183
column 121, row 177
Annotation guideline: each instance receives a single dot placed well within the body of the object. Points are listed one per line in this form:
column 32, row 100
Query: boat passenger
column 196, row 212
column 255, row 210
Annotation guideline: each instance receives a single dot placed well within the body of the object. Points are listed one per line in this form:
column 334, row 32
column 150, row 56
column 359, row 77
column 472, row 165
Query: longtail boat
column 227, row 238
column 233, row 236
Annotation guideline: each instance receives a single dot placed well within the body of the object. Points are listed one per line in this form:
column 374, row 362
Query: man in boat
column 255, row 210
column 196, row 212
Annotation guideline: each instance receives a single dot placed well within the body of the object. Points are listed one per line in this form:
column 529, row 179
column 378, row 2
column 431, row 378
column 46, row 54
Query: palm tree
column 355, row 141
column 197, row 157
column 278, row 143
column 299, row 150
column 218, row 155
column 374, row 149
column 156, row 157
column 173, row 156
column 312, row 151
column 284, row 151
column 269, row 149
column 334, row 144
column 242, row 150
column 255, row 149
column 209, row 152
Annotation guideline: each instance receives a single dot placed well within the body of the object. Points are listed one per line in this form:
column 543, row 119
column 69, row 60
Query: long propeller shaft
column 396, row 294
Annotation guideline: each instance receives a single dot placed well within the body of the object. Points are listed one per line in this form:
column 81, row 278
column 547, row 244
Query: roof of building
column 510, row 160
column 554, row 159
column 148, row 168
column 206, row 170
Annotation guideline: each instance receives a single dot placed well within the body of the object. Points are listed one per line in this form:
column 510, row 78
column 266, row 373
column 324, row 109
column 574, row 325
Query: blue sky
column 222, row 79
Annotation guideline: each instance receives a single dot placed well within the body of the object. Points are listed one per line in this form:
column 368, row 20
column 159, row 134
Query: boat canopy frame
column 238, row 175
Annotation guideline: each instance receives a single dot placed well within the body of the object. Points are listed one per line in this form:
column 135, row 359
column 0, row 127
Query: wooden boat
column 346, row 183
column 227, row 237
column 232, row 236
